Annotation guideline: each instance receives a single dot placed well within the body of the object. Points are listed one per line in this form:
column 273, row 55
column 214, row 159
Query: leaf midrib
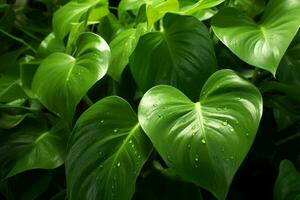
column 124, row 143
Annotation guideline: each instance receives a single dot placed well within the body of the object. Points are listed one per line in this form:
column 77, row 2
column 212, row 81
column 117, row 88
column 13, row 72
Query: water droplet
column 239, row 98
column 102, row 121
column 231, row 158
column 204, row 92
column 100, row 153
column 139, row 156
column 225, row 123
column 118, row 164
column 247, row 134
column 115, row 130
column 218, row 86
column 203, row 141
column 196, row 166
column 130, row 141
column 101, row 166
column 231, row 129
column 196, row 159
column 132, row 145
column 112, row 187
column 193, row 134
column 218, row 108
column 189, row 146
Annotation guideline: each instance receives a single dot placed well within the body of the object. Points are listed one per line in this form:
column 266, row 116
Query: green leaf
column 28, row 67
column 122, row 47
column 107, row 151
column 10, row 84
column 200, row 5
column 260, row 44
column 207, row 140
column 62, row 80
column 109, row 27
column 50, row 44
column 72, row 12
column 289, row 69
column 251, row 7
column 99, row 11
column 31, row 146
column 287, row 185
column 182, row 55
column 8, row 121
column 155, row 9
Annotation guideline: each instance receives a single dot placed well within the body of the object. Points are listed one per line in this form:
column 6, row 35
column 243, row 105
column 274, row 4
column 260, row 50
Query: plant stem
column 287, row 139
column 18, row 40
column 87, row 100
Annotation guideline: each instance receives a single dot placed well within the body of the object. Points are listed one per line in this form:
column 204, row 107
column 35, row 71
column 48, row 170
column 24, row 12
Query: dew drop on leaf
column 115, row 130
column 118, row 164
column 225, row 123
column 203, row 141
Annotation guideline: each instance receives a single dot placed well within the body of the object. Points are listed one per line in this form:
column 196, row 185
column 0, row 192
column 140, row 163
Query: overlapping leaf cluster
column 129, row 100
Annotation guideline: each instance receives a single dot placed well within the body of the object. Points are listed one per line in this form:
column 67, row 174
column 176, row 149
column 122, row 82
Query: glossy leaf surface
column 207, row 140
column 122, row 47
column 72, row 12
column 107, row 151
column 260, row 44
column 30, row 146
column 182, row 56
column 62, row 80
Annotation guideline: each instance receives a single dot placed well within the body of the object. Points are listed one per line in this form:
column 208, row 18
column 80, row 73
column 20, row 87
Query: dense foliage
column 150, row 99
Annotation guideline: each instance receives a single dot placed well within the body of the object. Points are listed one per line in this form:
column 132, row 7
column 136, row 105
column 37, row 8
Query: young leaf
column 287, row 186
column 122, row 47
column 155, row 9
column 72, row 12
column 204, row 142
column 107, row 151
column 259, row 44
column 62, row 80
column 200, row 5
column 31, row 146
column 182, row 55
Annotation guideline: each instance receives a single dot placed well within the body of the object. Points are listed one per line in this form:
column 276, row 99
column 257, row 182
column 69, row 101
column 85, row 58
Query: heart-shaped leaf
column 259, row 44
column 107, row 151
column 62, row 80
column 182, row 55
column 207, row 140
column 287, row 186
column 30, row 146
